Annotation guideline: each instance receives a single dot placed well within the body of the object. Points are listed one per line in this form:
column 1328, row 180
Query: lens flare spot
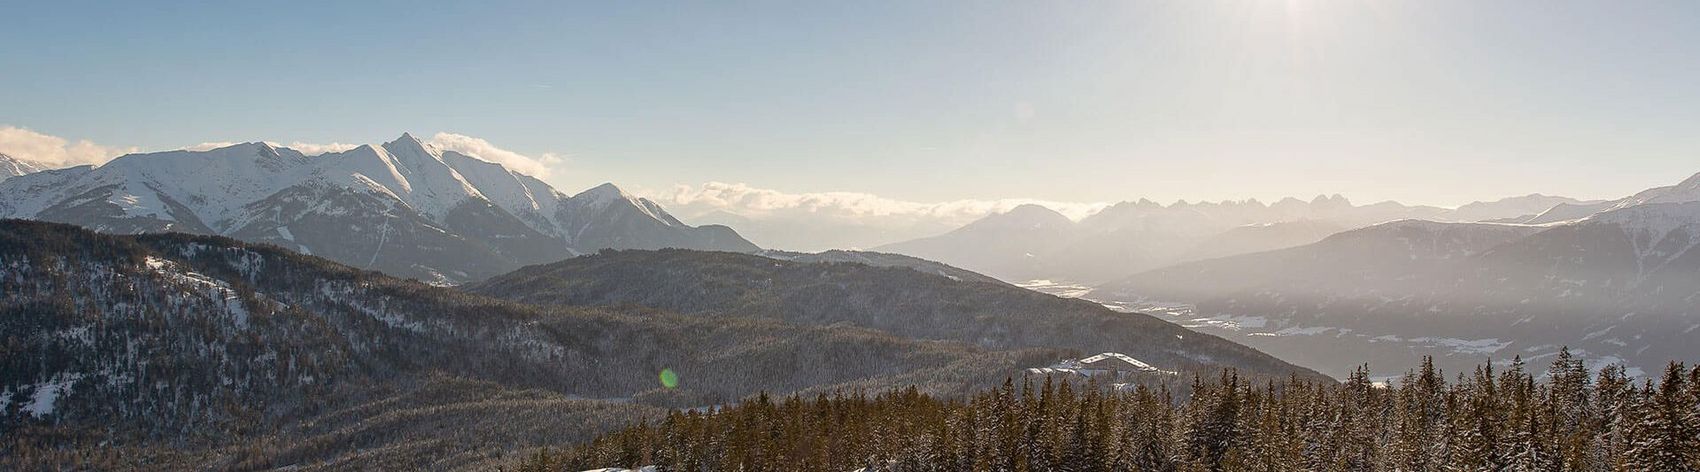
column 669, row 379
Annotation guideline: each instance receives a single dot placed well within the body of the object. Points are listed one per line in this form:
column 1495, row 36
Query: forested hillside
column 1515, row 420
column 148, row 349
column 897, row 300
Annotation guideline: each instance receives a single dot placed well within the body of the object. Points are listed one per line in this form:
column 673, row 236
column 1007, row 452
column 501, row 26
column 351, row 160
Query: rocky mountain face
column 404, row 208
column 184, row 351
column 13, row 167
column 1619, row 285
column 903, row 301
column 1032, row 242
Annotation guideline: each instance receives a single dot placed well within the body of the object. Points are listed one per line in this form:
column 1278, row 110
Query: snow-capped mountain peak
column 604, row 195
column 601, row 198
column 1686, row 191
column 403, row 206
column 13, row 167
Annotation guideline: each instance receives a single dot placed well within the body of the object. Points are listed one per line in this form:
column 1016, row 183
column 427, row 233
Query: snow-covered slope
column 1566, row 212
column 1532, row 204
column 402, row 207
column 1686, row 191
column 13, row 167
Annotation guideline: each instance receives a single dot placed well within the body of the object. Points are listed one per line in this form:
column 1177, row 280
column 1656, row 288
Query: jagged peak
column 411, row 146
column 406, row 138
column 1335, row 200
column 601, row 196
column 12, row 166
column 605, row 192
column 605, row 196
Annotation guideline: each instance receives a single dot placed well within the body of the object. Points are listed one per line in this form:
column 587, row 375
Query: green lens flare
column 669, row 379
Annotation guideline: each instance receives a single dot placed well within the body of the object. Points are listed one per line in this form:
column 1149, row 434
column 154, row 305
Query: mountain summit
column 404, row 207
column 13, row 167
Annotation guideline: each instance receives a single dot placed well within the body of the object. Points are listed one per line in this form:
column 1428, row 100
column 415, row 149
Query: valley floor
column 1334, row 351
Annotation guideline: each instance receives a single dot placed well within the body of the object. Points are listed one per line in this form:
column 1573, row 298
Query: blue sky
column 1436, row 102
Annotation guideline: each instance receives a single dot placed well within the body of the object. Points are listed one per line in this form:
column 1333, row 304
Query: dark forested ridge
column 1564, row 419
column 897, row 300
column 159, row 350
column 880, row 259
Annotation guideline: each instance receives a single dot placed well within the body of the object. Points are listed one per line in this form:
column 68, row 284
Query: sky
column 893, row 106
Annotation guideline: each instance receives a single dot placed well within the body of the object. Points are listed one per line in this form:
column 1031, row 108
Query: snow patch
column 1466, row 346
column 47, row 394
column 1084, row 367
column 213, row 288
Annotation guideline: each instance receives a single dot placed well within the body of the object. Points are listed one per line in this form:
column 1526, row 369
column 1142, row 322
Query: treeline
column 1565, row 420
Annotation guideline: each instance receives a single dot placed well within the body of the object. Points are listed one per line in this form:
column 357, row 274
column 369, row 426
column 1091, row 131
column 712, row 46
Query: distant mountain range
column 1620, row 284
column 405, row 208
column 1034, row 242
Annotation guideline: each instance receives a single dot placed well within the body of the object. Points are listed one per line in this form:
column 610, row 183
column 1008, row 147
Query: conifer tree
column 1508, row 420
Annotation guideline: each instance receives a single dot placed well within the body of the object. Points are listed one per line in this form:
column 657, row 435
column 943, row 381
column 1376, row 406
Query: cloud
column 752, row 202
column 55, row 151
column 479, row 148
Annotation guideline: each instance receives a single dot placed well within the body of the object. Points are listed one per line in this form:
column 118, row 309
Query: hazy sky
column 1435, row 102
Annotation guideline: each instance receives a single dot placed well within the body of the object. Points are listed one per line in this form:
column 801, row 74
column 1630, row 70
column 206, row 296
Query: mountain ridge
column 13, row 167
column 898, row 299
column 404, row 207
column 1616, row 285
column 1131, row 236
